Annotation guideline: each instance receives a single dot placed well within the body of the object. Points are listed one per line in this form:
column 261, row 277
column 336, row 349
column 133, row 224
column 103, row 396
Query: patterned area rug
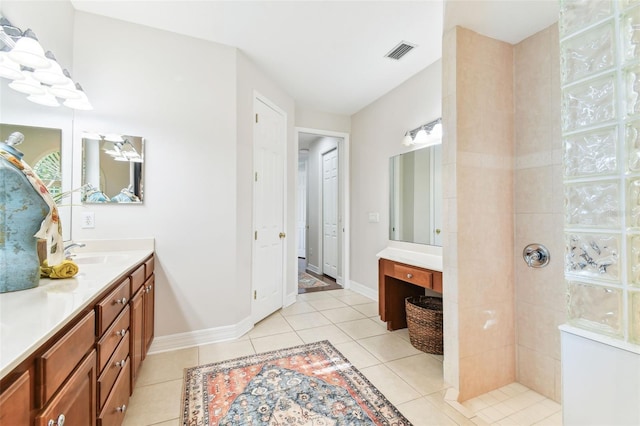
column 312, row 384
column 307, row 281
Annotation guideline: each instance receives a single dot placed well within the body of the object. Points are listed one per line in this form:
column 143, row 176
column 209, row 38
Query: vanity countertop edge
column 414, row 258
column 28, row 318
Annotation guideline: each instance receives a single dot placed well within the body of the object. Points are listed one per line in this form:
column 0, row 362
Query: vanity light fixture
column 47, row 99
column 34, row 72
column 427, row 134
column 28, row 52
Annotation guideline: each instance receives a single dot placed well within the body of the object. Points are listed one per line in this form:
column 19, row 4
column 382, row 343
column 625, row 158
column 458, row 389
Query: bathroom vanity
column 71, row 350
column 402, row 274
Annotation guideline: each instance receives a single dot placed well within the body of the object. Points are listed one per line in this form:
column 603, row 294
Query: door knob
column 282, row 235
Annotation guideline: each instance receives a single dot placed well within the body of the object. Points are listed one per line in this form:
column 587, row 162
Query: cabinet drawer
column 15, row 402
column 109, row 308
column 117, row 402
column 412, row 275
column 137, row 279
column 112, row 338
column 149, row 266
column 115, row 365
column 76, row 400
column 60, row 360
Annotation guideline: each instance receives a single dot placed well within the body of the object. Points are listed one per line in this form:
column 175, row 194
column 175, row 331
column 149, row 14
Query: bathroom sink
column 101, row 258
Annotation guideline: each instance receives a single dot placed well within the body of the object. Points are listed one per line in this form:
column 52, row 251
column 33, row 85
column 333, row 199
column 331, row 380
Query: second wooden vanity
column 83, row 373
column 396, row 282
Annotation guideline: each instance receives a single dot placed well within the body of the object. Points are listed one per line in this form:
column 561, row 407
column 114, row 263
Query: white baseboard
column 200, row 337
column 290, row 299
column 313, row 268
column 363, row 290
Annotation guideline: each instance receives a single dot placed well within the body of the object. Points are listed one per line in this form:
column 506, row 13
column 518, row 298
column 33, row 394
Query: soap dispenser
column 27, row 212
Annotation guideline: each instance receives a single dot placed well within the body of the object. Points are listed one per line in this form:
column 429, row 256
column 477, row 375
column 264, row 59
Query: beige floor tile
column 437, row 399
column 154, row 404
column 360, row 329
column 298, row 307
column 277, row 341
column 523, row 400
column 329, row 303
column 390, row 384
column 367, row 309
column 317, row 295
column 420, row 412
column 402, row 333
column 342, row 315
column 357, row 355
column 388, row 347
column 420, row 371
column 553, row 420
column 166, row 366
column 274, row 324
column 309, row 320
column 223, row 351
column 326, row 332
column 354, row 299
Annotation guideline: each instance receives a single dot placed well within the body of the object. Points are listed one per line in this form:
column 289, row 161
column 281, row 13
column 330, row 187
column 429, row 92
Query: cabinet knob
column 60, row 421
column 409, row 276
column 122, row 332
column 121, row 409
column 148, row 289
column 121, row 363
column 121, row 301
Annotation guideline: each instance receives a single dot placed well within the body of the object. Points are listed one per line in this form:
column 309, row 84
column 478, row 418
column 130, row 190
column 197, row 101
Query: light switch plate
column 88, row 220
column 374, row 217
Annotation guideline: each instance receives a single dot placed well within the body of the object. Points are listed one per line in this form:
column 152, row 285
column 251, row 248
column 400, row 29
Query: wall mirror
column 415, row 201
column 41, row 149
column 112, row 169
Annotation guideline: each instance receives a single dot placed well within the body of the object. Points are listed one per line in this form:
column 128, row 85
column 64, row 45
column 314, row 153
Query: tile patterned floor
column 409, row 378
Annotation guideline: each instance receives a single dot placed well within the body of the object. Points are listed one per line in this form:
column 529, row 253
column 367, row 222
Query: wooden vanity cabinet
column 15, row 402
column 142, row 320
column 75, row 401
column 83, row 374
column 396, row 282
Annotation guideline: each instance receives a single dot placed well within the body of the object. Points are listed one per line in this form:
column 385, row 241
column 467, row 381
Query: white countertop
column 428, row 257
column 28, row 318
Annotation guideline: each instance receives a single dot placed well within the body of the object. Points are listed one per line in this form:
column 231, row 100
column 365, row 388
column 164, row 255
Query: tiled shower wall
column 478, row 193
column 539, row 292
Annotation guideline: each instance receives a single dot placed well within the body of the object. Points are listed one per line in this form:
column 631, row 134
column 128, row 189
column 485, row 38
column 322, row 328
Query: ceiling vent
column 400, row 50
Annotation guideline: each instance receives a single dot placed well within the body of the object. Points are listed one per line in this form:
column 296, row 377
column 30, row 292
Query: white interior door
column 268, row 209
column 330, row 213
column 302, row 206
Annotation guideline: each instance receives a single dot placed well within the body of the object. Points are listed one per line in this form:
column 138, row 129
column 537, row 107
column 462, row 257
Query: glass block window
column 600, row 78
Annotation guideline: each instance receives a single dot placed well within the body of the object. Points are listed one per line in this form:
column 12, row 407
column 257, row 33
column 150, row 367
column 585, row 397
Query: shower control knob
column 536, row 256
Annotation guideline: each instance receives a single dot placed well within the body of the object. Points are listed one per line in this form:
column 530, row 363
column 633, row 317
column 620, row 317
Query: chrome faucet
column 67, row 249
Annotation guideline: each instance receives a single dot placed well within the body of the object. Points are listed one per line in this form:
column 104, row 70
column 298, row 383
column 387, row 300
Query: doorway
column 322, row 205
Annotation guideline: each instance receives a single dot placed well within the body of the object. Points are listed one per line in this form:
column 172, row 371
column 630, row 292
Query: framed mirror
column 112, row 169
column 415, row 196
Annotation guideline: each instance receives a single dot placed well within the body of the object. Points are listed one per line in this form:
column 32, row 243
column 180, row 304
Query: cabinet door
column 75, row 402
column 149, row 307
column 15, row 403
column 137, row 334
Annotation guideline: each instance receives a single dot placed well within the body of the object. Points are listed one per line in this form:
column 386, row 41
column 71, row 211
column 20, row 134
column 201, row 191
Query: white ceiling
column 329, row 55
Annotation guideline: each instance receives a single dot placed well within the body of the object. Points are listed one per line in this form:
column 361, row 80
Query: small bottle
column 22, row 211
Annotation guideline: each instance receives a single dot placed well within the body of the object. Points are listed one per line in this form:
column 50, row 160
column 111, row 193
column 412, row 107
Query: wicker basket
column 424, row 320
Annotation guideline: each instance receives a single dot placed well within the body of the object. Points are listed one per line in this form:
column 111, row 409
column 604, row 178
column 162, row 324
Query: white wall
column 376, row 132
column 178, row 93
column 312, row 119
